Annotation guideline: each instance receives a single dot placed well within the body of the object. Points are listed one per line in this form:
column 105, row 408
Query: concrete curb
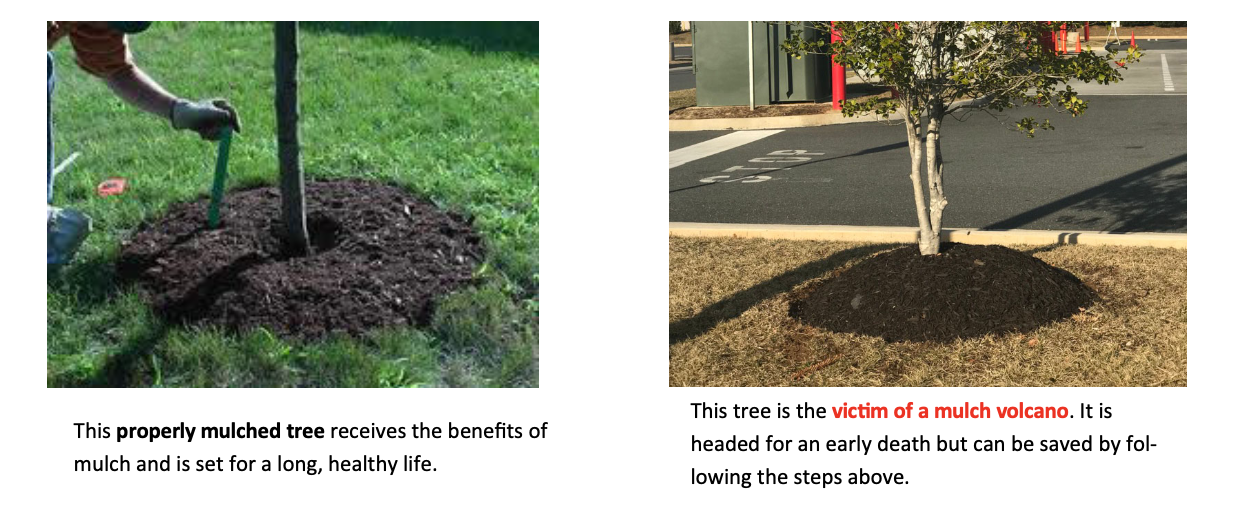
column 910, row 235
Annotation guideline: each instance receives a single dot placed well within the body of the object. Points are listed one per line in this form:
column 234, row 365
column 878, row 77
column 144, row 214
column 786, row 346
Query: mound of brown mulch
column 965, row 291
column 381, row 257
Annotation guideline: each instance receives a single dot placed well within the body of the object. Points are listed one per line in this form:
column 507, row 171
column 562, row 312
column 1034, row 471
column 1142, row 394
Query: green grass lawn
column 449, row 111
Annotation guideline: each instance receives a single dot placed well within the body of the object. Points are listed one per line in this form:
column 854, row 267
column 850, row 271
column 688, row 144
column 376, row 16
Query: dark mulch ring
column 381, row 257
column 965, row 291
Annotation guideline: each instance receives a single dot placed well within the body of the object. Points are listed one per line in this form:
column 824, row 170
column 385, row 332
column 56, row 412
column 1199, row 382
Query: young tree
column 287, row 113
column 932, row 66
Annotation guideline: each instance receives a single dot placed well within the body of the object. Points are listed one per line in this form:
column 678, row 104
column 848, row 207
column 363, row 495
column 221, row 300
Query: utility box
column 724, row 76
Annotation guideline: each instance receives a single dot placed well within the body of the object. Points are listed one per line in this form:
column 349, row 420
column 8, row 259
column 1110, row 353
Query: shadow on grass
column 518, row 37
column 125, row 367
column 92, row 281
column 745, row 299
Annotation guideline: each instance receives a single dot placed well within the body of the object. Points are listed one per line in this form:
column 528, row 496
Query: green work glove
column 208, row 118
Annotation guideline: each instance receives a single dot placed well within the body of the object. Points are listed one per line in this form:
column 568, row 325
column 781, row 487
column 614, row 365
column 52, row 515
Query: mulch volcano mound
column 965, row 291
column 381, row 257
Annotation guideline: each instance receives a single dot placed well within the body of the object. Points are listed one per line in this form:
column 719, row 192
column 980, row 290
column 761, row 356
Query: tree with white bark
column 939, row 68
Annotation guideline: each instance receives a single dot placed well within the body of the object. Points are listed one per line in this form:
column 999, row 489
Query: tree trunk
column 912, row 120
column 930, row 245
column 287, row 114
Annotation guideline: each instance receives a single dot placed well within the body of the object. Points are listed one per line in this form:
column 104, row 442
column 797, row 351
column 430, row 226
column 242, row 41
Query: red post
column 1064, row 38
column 896, row 27
column 1079, row 44
column 838, row 74
column 1087, row 32
column 1055, row 44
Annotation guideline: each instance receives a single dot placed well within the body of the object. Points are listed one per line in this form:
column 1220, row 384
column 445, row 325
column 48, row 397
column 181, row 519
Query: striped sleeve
column 100, row 50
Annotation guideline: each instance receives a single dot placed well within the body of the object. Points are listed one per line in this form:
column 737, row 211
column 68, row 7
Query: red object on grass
column 112, row 186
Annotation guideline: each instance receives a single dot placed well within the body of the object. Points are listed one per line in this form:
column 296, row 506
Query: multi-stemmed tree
column 934, row 66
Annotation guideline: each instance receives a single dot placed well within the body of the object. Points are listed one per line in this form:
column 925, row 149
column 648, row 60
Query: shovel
column 216, row 193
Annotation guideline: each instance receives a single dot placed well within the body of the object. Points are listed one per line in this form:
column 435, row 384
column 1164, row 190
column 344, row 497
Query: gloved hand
column 208, row 118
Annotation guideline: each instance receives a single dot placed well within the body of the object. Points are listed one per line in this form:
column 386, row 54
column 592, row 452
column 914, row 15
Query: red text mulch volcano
column 965, row 291
column 381, row 258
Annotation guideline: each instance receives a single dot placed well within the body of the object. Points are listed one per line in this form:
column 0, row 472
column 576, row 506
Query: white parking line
column 1167, row 76
column 685, row 155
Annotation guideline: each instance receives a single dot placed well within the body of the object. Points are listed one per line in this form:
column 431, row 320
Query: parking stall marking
column 789, row 157
column 717, row 145
column 1167, row 76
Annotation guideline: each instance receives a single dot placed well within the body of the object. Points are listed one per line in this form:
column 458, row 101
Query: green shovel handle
column 216, row 193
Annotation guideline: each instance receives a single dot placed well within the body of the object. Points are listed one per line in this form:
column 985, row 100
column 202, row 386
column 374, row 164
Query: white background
column 618, row 438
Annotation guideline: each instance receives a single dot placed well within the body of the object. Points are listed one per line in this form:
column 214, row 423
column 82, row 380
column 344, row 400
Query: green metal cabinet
column 719, row 56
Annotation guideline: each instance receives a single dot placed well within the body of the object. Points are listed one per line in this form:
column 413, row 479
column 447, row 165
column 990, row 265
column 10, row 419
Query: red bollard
column 1087, row 32
column 1079, row 44
column 896, row 27
column 838, row 75
column 1064, row 38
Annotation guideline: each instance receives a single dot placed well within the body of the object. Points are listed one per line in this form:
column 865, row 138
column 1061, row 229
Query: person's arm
column 207, row 118
column 104, row 53
column 137, row 89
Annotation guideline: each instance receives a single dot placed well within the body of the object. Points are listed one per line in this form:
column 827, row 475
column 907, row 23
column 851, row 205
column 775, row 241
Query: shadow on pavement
column 1152, row 199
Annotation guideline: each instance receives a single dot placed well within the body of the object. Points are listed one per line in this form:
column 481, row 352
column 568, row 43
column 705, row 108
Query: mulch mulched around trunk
column 381, row 258
column 965, row 291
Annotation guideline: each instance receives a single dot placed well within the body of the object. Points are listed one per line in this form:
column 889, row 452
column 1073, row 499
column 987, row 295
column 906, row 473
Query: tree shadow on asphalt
column 517, row 37
column 738, row 303
column 1152, row 199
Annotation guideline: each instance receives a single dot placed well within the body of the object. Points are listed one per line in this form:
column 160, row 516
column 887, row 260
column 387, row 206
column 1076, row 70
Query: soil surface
column 381, row 257
column 855, row 91
column 965, row 291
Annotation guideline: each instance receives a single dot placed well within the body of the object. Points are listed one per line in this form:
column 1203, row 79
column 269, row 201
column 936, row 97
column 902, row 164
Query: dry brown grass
column 729, row 324
column 681, row 99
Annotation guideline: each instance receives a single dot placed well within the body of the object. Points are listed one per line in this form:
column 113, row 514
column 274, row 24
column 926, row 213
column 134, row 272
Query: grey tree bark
column 930, row 244
column 287, row 114
column 913, row 121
